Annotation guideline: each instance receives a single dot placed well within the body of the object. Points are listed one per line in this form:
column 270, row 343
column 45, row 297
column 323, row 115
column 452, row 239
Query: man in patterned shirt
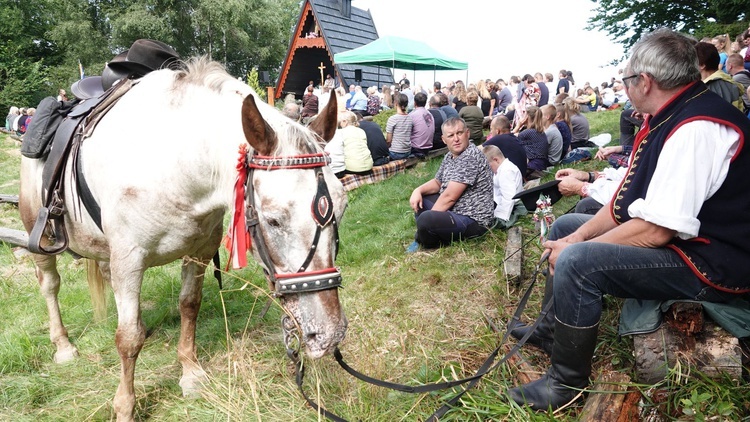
column 457, row 204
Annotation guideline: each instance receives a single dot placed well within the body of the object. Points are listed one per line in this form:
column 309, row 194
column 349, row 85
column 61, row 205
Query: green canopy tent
column 399, row 53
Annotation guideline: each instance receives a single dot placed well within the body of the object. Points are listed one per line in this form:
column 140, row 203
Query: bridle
column 322, row 213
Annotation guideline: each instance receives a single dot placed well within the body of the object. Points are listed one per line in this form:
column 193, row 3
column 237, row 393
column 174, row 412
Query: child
column 506, row 183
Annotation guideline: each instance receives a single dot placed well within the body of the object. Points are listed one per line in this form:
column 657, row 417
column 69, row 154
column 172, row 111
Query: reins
column 488, row 366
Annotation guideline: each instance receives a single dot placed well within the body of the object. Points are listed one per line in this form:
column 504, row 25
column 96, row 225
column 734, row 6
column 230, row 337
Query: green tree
column 43, row 41
column 627, row 20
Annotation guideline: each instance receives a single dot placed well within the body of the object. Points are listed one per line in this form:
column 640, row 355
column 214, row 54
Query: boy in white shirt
column 506, row 183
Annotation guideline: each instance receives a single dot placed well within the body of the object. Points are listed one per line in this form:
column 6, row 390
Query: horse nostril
column 311, row 337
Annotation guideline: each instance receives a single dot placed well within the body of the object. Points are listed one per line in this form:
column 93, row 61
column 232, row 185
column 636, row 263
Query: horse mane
column 201, row 71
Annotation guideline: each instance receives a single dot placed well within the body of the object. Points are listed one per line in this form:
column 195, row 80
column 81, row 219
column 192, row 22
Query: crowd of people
column 18, row 119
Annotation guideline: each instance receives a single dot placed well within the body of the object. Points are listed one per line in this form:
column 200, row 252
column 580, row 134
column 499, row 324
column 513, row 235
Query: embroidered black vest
column 720, row 254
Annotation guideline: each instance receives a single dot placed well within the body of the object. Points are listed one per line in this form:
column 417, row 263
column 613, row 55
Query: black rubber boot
column 569, row 373
column 545, row 331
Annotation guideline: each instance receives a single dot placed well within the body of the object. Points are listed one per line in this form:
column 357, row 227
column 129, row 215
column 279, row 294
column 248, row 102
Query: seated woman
column 535, row 143
column 357, row 157
column 562, row 120
column 473, row 117
column 398, row 130
column 579, row 125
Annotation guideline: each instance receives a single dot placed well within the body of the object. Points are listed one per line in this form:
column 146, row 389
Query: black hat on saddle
column 531, row 195
column 88, row 87
column 142, row 57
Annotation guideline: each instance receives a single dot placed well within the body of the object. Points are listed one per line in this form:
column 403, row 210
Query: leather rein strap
column 322, row 214
column 471, row 381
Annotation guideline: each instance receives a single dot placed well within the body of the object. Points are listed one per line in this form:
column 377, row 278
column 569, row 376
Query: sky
column 499, row 39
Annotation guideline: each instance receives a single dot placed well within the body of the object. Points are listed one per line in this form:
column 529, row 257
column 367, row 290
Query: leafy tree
column 627, row 20
column 43, row 41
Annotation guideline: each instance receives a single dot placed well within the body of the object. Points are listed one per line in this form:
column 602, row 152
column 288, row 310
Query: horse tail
column 96, row 289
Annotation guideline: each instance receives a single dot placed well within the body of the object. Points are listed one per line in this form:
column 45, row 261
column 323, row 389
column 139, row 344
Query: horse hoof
column 66, row 355
column 192, row 383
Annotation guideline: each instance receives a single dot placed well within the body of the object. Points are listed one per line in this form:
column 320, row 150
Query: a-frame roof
column 336, row 27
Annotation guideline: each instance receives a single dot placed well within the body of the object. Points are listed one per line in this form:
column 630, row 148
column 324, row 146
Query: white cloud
column 501, row 38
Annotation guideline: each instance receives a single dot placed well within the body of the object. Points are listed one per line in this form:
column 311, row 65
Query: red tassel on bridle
column 238, row 240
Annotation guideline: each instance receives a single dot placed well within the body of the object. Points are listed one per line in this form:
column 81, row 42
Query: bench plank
column 14, row 237
column 8, row 199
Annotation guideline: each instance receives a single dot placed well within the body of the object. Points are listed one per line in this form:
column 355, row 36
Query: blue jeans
column 436, row 228
column 399, row 155
column 586, row 271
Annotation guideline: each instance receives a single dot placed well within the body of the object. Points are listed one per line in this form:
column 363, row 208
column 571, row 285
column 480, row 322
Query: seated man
column 501, row 137
column 717, row 80
column 422, row 127
column 506, row 183
column 375, row 142
column 676, row 228
column 595, row 187
column 457, row 203
column 439, row 117
column 291, row 110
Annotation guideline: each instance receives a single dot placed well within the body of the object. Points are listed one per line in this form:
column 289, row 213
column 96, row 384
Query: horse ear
column 257, row 132
column 325, row 124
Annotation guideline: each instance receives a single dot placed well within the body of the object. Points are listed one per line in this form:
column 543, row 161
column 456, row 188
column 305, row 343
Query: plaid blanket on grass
column 378, row 173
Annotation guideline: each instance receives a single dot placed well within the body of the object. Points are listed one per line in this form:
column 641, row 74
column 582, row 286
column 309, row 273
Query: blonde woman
column 386, row 96
column 357, row 157
column 723, row 45
column 535, row 143
column 459, row 96
column 486, row 100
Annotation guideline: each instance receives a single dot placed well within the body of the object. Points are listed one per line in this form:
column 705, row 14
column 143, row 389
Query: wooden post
column 513, row 261
column 611, row 400
column 271, row 96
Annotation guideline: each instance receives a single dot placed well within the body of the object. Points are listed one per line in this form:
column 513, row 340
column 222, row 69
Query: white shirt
column 605, row 186
column 692, row 166
column 506, row 183
column 335, row 148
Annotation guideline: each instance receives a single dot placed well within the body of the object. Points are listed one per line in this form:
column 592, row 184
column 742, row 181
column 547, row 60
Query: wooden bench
column 686, row 337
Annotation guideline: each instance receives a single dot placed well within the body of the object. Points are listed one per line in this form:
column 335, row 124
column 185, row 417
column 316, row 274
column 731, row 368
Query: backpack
column 39, row 134
column 373, row 105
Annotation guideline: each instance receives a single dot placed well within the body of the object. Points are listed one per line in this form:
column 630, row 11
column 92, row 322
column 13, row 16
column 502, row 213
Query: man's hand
column 555, row 247
column 605, row 152
column 570, row 186
column 576, row 174
column 416, row 200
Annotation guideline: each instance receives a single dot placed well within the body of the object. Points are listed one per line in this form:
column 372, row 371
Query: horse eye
column 273, row 222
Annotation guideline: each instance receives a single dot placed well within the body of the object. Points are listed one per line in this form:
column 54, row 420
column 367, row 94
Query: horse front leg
column 131, row 332
column 49, row 286
column 193, row 376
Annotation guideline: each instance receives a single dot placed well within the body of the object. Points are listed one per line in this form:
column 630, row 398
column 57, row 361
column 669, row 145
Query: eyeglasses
column 625, row 79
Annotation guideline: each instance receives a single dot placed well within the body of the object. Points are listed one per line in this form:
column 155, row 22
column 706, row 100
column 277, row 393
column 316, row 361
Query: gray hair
column 668, row 56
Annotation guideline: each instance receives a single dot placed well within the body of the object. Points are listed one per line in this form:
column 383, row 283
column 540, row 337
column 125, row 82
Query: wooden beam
column 8, row 199
column 612, row 400
column 14, row 237
column 513, row 262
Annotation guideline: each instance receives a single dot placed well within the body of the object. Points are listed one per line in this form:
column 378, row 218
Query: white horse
column 162, row 167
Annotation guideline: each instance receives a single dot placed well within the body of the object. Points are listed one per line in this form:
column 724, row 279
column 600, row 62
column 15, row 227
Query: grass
column 412, row 319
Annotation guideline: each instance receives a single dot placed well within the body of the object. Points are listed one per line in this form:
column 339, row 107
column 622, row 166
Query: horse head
column 297, row 204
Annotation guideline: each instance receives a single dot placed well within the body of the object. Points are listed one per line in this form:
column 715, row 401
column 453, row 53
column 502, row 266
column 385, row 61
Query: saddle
column 78, row 125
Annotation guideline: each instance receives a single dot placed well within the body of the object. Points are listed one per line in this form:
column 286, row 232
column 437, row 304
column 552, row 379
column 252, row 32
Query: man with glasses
column 676, row 229
column 457, row 204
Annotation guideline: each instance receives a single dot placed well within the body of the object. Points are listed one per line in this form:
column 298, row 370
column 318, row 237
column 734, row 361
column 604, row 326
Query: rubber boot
column 545, row 331
column 569, row 373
